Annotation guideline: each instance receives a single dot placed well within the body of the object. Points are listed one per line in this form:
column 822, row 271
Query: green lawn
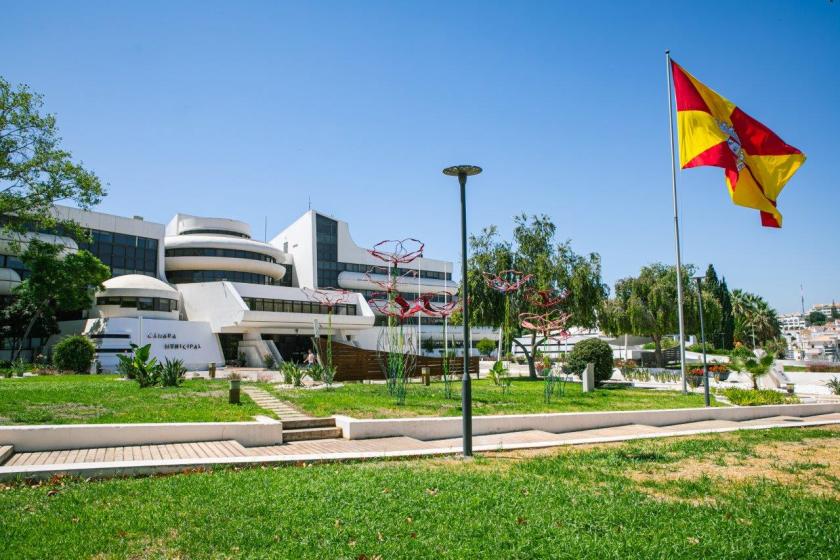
column 104, row 399
column 372, row 400
column 765, row 494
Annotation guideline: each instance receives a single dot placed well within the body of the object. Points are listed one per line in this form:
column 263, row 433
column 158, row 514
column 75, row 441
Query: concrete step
column 6, row 451
column 302, row 423
column 307, row 434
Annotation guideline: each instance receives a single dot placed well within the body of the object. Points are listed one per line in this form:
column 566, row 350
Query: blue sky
column 248, row 110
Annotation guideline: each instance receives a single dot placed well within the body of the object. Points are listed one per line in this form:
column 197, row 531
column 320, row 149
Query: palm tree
column 755, row 320
column 756, row 369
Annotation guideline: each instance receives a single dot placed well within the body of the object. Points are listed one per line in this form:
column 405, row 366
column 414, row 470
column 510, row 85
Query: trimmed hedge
column 592, row 350
column 74, row 353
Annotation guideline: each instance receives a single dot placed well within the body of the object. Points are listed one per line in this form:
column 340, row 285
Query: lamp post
column 699, row 280
column 462, row 172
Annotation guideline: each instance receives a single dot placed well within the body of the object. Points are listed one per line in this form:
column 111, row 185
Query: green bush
column 485, row 346
column 172, row 372
column 74, row 353
column 757, row 397
column 592, row 350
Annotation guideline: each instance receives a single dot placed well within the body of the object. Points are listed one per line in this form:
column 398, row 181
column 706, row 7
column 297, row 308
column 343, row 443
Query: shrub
column 834, row 385
column 823, row 368
column 485, row 346
column 172, row 372
column 269, row 362
column 316, row 372
column 145, row 370
column 757, row 397
column 741, row 351
column 288, row 369
column 74, row 353
column 592, row 350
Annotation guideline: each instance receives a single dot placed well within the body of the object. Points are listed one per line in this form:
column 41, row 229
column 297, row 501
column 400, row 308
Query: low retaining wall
column 430, row 428
column 86, row 436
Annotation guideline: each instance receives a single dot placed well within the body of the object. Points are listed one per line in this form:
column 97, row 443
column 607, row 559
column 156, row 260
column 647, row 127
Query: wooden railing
column 357, row 364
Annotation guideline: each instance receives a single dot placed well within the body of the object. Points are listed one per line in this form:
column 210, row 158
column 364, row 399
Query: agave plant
column 172, row 372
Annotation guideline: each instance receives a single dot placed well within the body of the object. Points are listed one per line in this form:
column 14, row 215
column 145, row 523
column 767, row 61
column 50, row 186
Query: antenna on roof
column 309, row 199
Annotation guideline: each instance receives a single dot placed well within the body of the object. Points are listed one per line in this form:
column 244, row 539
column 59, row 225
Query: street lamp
column 462, row 172
column 699, row 280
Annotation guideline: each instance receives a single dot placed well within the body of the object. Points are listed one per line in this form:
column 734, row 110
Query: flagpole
column 668, row 78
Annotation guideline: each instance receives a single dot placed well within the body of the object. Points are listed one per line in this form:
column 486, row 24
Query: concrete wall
column 86, row 436
column 441, row 428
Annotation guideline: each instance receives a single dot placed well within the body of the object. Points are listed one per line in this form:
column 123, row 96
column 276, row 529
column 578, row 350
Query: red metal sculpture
column 398, row 251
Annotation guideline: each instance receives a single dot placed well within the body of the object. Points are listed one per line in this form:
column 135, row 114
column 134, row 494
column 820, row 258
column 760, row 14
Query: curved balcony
column 202, row 241
column 273, row 270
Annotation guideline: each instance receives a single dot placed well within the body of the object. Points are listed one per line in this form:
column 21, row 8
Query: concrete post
column 588, row 378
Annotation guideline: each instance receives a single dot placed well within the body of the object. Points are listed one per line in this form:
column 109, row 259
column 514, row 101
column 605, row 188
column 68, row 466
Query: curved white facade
column 218, row 246
column 9, row 280
column 135, row 295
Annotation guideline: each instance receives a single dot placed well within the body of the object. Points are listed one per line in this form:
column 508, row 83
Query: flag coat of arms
column 714, row 131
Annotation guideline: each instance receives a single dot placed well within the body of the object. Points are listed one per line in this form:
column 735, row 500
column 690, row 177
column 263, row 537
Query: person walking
column 310, row 359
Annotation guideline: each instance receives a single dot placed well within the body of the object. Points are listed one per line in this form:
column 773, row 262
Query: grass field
column 752, row 494
column 372, row 400
column 104, row 399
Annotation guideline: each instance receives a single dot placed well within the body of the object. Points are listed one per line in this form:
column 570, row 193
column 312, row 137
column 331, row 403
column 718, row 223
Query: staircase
column 309, row 429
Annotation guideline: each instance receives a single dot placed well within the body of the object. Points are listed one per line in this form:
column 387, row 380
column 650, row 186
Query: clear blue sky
column 247, row 110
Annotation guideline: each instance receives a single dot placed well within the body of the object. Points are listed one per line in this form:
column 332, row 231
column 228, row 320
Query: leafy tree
column 57, row 283
column 777, row 347
column 35, row 172
column 485, row 346
column 554, row 266
column 647, row 306
column 817, row 318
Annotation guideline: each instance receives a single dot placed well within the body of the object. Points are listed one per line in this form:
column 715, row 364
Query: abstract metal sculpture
column 550, row 323
column 507, row 283
column 395, row 359
column 330, row 298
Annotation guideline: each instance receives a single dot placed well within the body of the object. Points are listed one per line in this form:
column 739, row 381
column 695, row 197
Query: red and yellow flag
column 713, row 131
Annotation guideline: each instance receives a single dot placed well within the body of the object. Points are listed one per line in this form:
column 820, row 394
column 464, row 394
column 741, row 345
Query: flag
column 713, row 131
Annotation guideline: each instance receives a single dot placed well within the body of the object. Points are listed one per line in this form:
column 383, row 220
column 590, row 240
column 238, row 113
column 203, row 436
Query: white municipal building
column 204, row 291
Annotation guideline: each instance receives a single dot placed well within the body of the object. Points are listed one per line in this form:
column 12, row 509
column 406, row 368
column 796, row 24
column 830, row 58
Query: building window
column 140, row 303
column 294, row 306
column 209, row 252
column 124, row 254
column 193, row 276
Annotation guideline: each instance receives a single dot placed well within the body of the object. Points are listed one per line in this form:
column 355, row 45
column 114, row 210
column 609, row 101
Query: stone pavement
column 282, row 409
column 145, row 459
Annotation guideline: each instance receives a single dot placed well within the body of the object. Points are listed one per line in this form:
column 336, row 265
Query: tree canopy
column 554, row 266
column 755, row 320
column 57, row 283
column 817, row 318
column 35, row 171
column 646, row 305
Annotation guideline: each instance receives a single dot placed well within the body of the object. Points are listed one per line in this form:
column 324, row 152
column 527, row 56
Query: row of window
column 141, row 303
column 210, row 252
column 124, row 254
column 290, row 306
column 13, row 262
column 216, row 232
column 193, row 276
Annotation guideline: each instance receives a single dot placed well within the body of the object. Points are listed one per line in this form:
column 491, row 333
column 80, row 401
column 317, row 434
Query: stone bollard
column 588, row 378
column 211, row 370
column 233, row 392
column 427, row 379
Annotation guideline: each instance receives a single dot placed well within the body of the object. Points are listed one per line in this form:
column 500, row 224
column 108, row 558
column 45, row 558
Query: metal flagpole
column 419, row 326
column 668, row 78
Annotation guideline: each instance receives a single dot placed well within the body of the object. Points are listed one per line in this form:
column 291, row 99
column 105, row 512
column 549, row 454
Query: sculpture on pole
column 507, row 283
column 550, row 323
column 329, row 298
column 396, row 359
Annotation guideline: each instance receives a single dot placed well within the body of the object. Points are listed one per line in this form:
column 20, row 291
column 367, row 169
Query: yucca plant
column 316, row 372
column 172, row 372
column 289, row 370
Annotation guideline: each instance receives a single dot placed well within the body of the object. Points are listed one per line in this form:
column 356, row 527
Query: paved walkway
column 144, row 459
column 282, row 409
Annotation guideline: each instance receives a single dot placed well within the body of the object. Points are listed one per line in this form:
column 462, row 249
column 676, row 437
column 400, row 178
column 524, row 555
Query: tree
column 35, row 172
column 834, row 313
column 554, row 266
column 485, row 346
column 646, row 305
column 755, row 321
column 722, row 332
column 817, row 318
column 57, row 283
